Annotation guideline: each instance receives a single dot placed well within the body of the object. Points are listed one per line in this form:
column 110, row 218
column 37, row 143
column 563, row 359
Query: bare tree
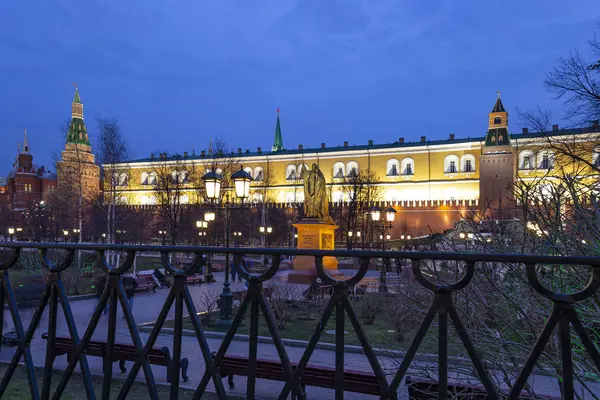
column 112, row 151
column 171, row 188
column 577, row 82
column 359, row 191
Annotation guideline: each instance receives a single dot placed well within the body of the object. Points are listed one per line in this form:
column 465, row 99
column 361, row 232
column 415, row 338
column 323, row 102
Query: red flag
column 278, row 111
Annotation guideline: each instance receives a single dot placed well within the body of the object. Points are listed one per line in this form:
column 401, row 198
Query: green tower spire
column 278, row 141
column 77, row 131
column 76, row 98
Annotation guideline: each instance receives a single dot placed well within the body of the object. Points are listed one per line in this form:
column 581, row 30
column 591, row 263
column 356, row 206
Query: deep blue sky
column 178, row 73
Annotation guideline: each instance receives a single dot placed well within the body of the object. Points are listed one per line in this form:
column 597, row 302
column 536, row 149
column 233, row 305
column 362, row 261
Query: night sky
column 178, row 73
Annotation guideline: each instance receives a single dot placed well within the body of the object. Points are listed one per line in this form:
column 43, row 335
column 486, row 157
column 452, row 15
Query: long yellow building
column 450, row 176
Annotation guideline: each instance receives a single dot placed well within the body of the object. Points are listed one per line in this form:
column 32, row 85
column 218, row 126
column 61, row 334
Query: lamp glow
column 241, row 180
column 212, row 183
column 390, row 214
column 375, row 213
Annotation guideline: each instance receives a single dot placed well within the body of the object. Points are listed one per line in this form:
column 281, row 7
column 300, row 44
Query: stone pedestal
column 318, row 235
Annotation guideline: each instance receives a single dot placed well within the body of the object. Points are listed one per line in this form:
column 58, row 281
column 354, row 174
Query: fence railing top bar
column 414, row 255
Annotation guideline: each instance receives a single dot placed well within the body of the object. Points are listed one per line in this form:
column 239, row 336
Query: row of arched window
column 151, row 178
column 544, row 159
column 528, row 160
column 394, row 167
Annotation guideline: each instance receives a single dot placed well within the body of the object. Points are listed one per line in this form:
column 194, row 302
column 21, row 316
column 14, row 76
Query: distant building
column 26, row 184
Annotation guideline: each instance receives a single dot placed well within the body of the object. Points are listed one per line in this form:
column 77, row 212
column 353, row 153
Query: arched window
column 220, row 171
column 179, row 177
column 248, row 170
column 302, row 169
column 152, row 177
column 259, row 174
column 497, row 121
column 184, row 199
column 526, row 160
column 467, row 163
column 290, row 197
column 545, row 159
column 123, row 200
column 596, row 156
column 147, row 200
column 451, row 164
column 338, row 170
column 393, row 167
column 352, row 169
column 290, row 172
column 338, row 196
column 123, row 179
column 407, row 166
column 144, row 179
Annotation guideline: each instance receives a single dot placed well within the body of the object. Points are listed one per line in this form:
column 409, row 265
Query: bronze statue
column 316, row 203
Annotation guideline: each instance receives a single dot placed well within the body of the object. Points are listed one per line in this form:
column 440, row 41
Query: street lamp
column 269, row 229
column 11, row 232
column 241, row 180
column 390, row 214
column 209, row 215
column 375, row 214
column 213, row 182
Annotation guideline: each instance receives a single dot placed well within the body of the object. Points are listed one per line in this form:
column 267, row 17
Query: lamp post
column 390, row 215
column 11, row 233
column 202, row 225
column 65, row 234
column 163, row 236
column 241, row 181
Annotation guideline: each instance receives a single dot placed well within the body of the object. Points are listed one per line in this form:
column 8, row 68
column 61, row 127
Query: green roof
column 394, row 145
column 76, row 98
column 77, row 132
column 278, row 141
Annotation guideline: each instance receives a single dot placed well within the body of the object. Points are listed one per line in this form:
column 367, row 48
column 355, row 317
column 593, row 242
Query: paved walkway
column 146, row 309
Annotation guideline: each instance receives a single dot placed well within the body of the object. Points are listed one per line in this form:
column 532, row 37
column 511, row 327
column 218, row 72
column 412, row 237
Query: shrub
column 370, row 305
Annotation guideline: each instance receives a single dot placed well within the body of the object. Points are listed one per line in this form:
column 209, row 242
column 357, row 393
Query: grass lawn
column 18, row 388
column 379, row 334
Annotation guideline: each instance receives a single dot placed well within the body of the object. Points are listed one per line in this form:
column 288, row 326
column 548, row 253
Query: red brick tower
column 497, row 172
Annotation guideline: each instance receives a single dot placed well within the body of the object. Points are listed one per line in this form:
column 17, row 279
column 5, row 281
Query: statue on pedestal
column 316, row 203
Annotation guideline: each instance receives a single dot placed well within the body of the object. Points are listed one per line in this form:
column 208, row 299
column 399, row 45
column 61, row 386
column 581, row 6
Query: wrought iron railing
column 563, row 315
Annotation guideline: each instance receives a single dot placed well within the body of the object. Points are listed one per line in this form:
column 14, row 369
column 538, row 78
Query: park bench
column 122, row 353
column 145, row 283
column 428, row 390
column 354, row 381
column 193, row 279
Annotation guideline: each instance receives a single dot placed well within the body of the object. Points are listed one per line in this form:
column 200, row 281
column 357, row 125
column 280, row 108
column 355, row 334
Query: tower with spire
column 278, row 140
column 498, row 166
column 24, row 157
column 77, row 168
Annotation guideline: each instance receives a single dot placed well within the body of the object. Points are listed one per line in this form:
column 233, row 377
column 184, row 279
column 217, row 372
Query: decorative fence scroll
column 563, row 315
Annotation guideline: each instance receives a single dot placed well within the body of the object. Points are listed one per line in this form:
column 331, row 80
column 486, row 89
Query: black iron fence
column 564, row 314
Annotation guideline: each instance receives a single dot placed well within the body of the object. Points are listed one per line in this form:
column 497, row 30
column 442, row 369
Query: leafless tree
column 171, row 188
column 359, row 191
column 113, row 152
column 576, row 81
